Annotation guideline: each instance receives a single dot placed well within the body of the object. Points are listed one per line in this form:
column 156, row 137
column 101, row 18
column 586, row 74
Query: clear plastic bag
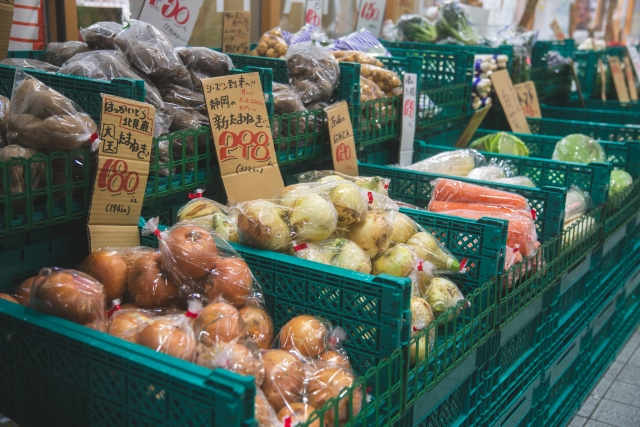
column 522, row 181
column 356, row 56
column 5, row 111
column 339, row 252
column 362, row 40
column 203, row 63
column 369, row 91
column 239, row 356
column 577, row 204
column 71, row 295
column 265, row 415
column 151, row 52
column 619, row 182
column 271, row 44
column 284, row 378
column 43, row 119
column 487, row 173
column 421, row 318
column 327, row 381
column 373, row 232
column 368, row 183
column 186, row 98
column 58, row 53
column 17, row 175
column 442, row 294
column 455, row 163
column 580, row 149
column 501, row 142
column 416, row 28
column 386, row 80
column 312, row 216
column 101, row 35
column 30, row 63
column 149, row 285
column 449, row 190
column 313, row 72
column 185, row 118
column 109, row 65
column 453, row 21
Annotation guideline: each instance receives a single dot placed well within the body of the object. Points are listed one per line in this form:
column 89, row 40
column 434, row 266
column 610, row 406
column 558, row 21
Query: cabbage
column 501, row 142
column 619, row 182
column 580, row 149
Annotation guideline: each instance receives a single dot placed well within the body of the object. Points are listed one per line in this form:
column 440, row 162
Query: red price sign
column 254, row 146
column 172, row 9
column 409, row 108
column 343, row 152
column 313, row 18
column 369, row 11
column 115, row 177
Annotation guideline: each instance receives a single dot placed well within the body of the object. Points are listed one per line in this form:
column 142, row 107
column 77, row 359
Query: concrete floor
column 615, row 400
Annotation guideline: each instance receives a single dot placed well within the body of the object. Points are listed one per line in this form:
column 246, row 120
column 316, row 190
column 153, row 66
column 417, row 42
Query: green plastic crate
column 586, row 63
column 28, row 54
column 556, row 85
column 598, row 104
column 590, row 115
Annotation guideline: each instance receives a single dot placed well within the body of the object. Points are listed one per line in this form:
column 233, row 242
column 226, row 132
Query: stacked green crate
column 556, row 86
column 589, row 76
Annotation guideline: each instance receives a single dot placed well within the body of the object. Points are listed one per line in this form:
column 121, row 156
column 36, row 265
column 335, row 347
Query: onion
column 442, row 294
column 23, row 291
column 305, row 334
column 396, row 261
column 284, row 378
column 233, row 357
column 264, row 412
column 313, row 218
column 193, row 249
column 9, row 298
column 331, row 178
column 421, row 317
column 231, row 280
column 169, row 336
column 337, row 359
column 351, row 203
column 403, row 228
column 73, row 296
column 259, row 326
column 218, row 322
column 148, row 285
column 372, row 234
column 108, row 268
column 328, row 383
column 226, row 227
column 262, row 224
column 299, row 413
column 352, row 257
column 127, row 324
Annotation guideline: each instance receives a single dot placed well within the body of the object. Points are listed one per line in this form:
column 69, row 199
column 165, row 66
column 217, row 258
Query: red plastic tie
column 370, row 194
column 515, row 249
column 413, row 328
column 463, row 264
column 386, row 186
column 196, row 195
column 191, row 314
column 287, row 421
column 93, row 137
column 113, row 310
column 419, row 268
column 533, row 214
column 300, row 247
column 157, row 232
column 369, row 389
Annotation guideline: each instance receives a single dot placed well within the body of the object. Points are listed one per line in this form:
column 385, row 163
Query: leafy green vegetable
column 580, row 149
column 501, row 142
column 453, row 21
column 619, row 182
column 415, row 28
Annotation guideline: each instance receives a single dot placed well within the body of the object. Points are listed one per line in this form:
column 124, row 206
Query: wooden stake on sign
column 577, row 82
column 603, row 81
column 557, row 30
column 236, row 31
column 472, row 126
column 343, row 147
column 618, row 79
column 242, row 136
column 126, row 140
column 631, row 83
column 528, row 98
column 529, row 12
column 509, row 100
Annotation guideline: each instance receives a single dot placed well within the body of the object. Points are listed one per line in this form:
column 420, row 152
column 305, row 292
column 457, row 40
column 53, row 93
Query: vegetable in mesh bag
column 152, row 53
column 356, row 56
column 455, row 162
column 619, row 182
column 313, row 72
column 415, row 28
column 203, row 63
column 30, row 63
column 71, row 295
column 339, row 252
column 580, row 149
column 501, row 142
column 58, row 53
column 369, row 183
column 109, row 65
column 43, row 119
column 101, row 35
column 453, row 21
column 577, row 204
column 386, row 80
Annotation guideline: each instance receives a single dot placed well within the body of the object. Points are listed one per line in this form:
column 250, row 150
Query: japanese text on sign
column 343, row 148
column 409, row 112
column 242, row 135
column 528, row 99
column 236, row 30
column 509, row 100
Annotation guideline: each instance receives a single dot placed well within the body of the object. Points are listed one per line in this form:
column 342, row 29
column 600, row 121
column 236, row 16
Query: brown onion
column 305, row 334
column 259, row 326
column 127, row 324
column 264, row 412
column 337, row 359
column 9, row 298
column 327, row 383
column 193, row 249
column 283, row 379
column 23, row 292
column 148, row 285
column 299, row 413
column 218, row 322
column 231, row 280
column 108, row 268
column 166, row 335
column 234, row 357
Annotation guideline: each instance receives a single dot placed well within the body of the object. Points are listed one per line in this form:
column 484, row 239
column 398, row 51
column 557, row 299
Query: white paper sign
column 371, row 15
column 313, row 13
column 635, row 59
column 409, row 112
column 175, row 18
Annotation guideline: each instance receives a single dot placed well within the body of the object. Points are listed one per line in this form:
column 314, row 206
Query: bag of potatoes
column 5, row 107
column 43, row 119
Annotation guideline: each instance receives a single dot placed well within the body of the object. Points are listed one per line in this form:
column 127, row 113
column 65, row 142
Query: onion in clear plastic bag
column 313, row 72
column 57, row 53
column 101, row 35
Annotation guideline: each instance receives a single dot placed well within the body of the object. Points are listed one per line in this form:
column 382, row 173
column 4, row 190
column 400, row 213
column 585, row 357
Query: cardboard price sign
column 126, row 138
column 242, row 136
column 175, row 18
column 236, row 30
column 313, row 12
column 370, row 16
column 618, row 79
column 409, row 111
column 509, row 100
column 603, row 81
column 557, row 30
column 528, row 98
column 472, row 127
column 343, row 147
column 631, row 83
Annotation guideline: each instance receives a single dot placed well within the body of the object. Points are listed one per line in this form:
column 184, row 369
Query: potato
column 101, row 34
column 58, row 53
column 22, row 94
column 47, row 103
column 5, row 106
column 62, row 133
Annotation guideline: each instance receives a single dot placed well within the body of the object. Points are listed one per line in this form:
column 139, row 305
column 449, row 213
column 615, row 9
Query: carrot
column 439, row 206
column 449, row 190
column 520, row 233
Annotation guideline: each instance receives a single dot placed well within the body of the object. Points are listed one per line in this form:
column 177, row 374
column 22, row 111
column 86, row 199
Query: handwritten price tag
column 371, row 15
column 509, row 100
column 618, row 79
column 343, row 147
column 236, row 30
column 631, row 82
column 528, row 98
column 242, row 136
column 126, row 135
column 409, row 110
column 313, row 13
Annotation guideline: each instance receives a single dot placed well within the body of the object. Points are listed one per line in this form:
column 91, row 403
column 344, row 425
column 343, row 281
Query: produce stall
column 313, row 230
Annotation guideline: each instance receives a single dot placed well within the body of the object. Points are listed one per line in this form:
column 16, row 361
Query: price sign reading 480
column 242, row 136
